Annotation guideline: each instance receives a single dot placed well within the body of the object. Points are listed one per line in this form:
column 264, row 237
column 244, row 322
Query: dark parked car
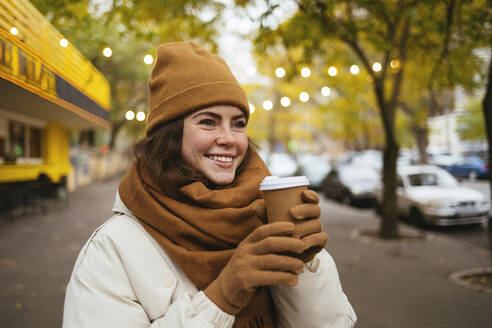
column 471, row 167
column 352, row 185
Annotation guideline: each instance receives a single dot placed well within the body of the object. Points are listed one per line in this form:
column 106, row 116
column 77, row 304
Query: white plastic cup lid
column 275, row 182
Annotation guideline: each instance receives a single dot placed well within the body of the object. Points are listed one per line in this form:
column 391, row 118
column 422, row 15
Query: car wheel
column 417, row 217
column 472, row 175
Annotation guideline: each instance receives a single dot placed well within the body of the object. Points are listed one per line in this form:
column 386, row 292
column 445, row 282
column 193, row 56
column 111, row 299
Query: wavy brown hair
column 160, row 153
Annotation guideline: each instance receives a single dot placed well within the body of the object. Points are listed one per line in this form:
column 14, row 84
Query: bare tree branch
column 405, row 108
column 402, row 46
column 444, row 53
column 353, row 43
column 381, row 11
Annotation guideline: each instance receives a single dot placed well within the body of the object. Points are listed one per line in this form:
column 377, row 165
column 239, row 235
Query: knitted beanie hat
column 186, row 78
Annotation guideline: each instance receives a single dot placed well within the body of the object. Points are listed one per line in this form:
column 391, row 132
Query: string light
column 304, row 96
column 140, row 116
column 285, row 101
column 332, row 71
column 325, row 91
column 148, row 59
column 130, row 115
column 250, row 70
column 280, row 72
column 395, row 64
column 107, row 52
column 305, row 72
column 377, row 67
column 64, row 43
column 267, row 105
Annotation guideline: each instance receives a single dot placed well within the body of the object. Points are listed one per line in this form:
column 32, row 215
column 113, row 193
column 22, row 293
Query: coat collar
column 120, row 207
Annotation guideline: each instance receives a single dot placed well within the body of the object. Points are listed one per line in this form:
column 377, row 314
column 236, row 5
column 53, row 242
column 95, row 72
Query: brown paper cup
column 281, row 194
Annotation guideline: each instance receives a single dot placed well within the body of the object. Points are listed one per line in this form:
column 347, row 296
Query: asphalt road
column 38, row 250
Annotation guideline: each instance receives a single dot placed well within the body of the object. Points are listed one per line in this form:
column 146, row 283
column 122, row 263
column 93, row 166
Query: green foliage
column 436, row 53
column 132, row 29
column 349, row 115
column 471, row 125
column 435, row 35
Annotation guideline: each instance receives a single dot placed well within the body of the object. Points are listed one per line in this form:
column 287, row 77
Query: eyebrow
column 217, row 116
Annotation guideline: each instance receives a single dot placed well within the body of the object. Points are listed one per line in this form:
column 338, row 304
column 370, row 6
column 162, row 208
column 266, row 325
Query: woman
column 189, row 245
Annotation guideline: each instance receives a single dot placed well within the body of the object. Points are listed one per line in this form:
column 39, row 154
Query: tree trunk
column 487, row 113
column 420, row 134
column 389, row 224
column 114, row 132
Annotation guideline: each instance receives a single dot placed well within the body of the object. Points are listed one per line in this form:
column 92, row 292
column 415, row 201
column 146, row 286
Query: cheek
column 243, row 143
column 192, row 143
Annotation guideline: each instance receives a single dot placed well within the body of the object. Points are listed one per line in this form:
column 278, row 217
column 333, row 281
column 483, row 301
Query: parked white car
column 432, row 196
column 314, row 167
column 281, row 164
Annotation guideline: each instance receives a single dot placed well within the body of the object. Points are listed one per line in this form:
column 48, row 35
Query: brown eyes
column 211, row 122
column 208, row 122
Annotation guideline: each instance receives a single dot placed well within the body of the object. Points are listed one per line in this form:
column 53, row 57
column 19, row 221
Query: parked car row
column 461, row 166
column 428, row 194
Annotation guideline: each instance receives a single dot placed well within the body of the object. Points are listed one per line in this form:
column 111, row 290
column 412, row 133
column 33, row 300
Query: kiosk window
column 17, row 133
column 24, row 140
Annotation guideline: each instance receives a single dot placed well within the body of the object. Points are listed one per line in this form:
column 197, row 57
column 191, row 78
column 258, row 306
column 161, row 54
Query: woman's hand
column 257, row 261
column 308, row 226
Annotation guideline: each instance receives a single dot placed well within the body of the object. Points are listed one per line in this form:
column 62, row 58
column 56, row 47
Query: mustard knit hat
column 186, row 78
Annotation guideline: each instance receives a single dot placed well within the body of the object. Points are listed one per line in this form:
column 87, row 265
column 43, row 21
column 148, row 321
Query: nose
column 226, row 137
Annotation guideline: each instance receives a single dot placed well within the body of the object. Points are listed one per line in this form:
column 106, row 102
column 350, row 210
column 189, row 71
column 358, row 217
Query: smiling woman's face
column 215, row 142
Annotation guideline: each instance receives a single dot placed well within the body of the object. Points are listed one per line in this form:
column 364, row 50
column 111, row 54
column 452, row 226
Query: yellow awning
column 31, row 54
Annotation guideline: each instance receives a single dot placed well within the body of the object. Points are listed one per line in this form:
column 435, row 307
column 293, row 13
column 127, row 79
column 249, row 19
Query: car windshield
column 441, row 179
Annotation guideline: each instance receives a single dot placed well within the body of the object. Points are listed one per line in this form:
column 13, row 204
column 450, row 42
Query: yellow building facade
column 47, row 89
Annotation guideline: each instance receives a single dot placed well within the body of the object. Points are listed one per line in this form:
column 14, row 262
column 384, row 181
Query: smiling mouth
column 223, row 159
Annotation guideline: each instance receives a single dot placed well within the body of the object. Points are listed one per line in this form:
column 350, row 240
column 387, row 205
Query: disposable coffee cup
column 281, row 194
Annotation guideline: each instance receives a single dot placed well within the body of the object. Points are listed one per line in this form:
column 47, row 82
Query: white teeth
column 221, row 158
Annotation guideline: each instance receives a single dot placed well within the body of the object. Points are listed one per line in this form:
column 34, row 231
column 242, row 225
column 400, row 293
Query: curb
column 370, row 236
column 456, row 278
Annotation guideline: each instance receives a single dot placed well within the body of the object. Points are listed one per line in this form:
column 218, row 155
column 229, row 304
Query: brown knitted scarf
column 201, row 232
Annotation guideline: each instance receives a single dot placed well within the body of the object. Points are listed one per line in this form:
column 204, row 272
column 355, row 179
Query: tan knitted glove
column 257, row 262
column 309, row 227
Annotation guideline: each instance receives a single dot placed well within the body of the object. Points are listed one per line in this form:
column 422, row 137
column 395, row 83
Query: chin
column 221, row 181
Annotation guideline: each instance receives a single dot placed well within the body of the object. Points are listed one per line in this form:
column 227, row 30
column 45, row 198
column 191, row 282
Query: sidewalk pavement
column 404, row 284
column 390, row 284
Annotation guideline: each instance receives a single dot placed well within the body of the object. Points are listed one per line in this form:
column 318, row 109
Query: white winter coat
column 123, row 278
